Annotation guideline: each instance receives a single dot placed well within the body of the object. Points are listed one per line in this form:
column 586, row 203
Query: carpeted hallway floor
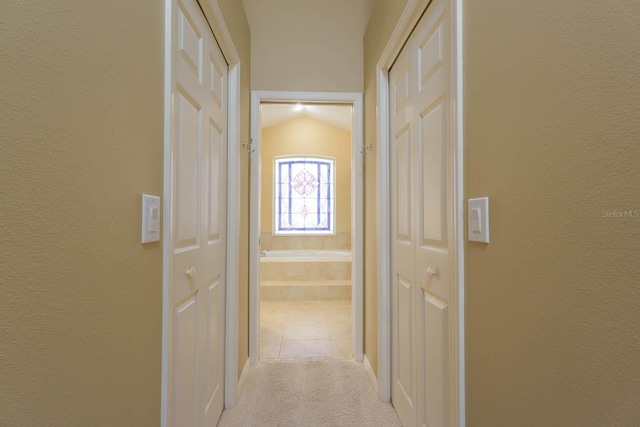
column 325, row 393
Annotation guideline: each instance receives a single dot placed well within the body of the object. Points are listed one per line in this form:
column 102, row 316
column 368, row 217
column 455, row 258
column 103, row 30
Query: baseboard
column 372, row 375
column 243, row 378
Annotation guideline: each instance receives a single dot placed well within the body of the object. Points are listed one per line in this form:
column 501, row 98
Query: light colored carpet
column 334, row 393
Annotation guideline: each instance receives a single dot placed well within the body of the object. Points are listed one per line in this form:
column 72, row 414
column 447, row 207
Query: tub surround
column 306, row 255
column 341, row 240
column 305, row 275
column 310, row 270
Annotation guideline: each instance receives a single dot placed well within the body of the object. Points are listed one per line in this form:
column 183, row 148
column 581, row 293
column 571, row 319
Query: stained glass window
column 304, row 195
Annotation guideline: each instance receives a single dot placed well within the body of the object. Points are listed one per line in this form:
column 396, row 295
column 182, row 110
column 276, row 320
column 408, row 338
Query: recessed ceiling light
column 298, row 107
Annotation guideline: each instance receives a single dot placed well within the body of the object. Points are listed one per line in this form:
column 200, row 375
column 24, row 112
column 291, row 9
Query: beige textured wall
column 81, row 139
column 552, row 131
column 382, row 23
column 236, row 21
column 82, row 107
column 307, row 45
column 306, row 136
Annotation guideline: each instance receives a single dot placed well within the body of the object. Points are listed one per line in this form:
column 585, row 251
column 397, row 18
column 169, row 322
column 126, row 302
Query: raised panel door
column 402, row 153
column 198, row 280
column 421, row 169
column 434, row 211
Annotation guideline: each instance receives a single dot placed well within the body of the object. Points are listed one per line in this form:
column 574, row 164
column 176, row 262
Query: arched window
column 304, row 195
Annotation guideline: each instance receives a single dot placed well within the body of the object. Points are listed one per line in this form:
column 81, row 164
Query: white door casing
column 423, row 217
column 197, row 283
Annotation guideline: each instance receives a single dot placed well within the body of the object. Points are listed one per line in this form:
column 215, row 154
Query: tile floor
column 277, row 290
column 305, row 330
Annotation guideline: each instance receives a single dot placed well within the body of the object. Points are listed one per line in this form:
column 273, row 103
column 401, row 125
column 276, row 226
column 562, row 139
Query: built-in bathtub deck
column 300, row 290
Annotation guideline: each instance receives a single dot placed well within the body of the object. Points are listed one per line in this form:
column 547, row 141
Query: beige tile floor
column 305, row 330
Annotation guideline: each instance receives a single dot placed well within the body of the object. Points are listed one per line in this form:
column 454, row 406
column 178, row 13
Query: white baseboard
column 372, row 375
column 243, row 378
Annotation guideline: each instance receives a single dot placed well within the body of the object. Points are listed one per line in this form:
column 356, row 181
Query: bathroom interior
column 305, row 236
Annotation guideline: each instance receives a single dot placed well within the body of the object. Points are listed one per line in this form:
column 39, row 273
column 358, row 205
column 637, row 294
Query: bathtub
column 306, row 255
column 307, row 264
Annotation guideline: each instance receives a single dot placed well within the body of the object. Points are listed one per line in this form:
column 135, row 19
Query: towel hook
column 247, row 146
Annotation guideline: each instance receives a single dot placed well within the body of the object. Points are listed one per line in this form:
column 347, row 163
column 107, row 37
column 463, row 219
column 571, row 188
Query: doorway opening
column 305, row 236
column 306, row 246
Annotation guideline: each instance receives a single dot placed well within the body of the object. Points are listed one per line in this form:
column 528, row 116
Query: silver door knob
column 191, row 271
column 431, row 272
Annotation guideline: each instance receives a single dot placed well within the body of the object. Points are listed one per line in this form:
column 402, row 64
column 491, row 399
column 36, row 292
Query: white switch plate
column 150, row 218
column 478, row 212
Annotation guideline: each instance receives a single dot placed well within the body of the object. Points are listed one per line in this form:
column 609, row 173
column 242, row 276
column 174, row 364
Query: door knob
column 191, row 271
column 431, row 272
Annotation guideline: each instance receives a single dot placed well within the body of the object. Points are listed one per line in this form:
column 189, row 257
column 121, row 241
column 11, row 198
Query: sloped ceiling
column 335, row 115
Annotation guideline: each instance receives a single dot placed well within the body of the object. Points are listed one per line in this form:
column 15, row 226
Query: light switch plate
column 150, row 218
column 478, row 218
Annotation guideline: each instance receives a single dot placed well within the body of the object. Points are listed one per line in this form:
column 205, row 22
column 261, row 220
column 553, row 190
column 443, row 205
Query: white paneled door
column 198, row 226
column 423, row 377
column 403, row 244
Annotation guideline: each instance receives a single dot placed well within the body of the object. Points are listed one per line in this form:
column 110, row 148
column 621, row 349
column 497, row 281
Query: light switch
column 479, row 220
column 476, row 220
column 150, row 218
column 155, row 219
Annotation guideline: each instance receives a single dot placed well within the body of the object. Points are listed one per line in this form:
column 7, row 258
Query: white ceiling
column 335, row 115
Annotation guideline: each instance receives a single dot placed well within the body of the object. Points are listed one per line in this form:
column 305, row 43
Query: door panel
column 198, row 280
column 217, row 81
column 187, row 172
column 433, row 192
column 431, row 53
column 215, row 212
column 421, row 220
column 403, row 186
column 185, row 383
column 401, row 90
column 213, row 337
column 405, row 339
column 189, row 43
column 215, row 181
column 212, row 366
column 403, row 360
column 432, row 99
column 435, row 387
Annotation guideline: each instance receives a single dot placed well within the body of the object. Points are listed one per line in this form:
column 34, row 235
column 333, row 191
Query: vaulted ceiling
column 335, row 115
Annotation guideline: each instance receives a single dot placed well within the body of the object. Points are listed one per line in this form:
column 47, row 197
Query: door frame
column 221, row 33
column 357, row 212
column 407, row 22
